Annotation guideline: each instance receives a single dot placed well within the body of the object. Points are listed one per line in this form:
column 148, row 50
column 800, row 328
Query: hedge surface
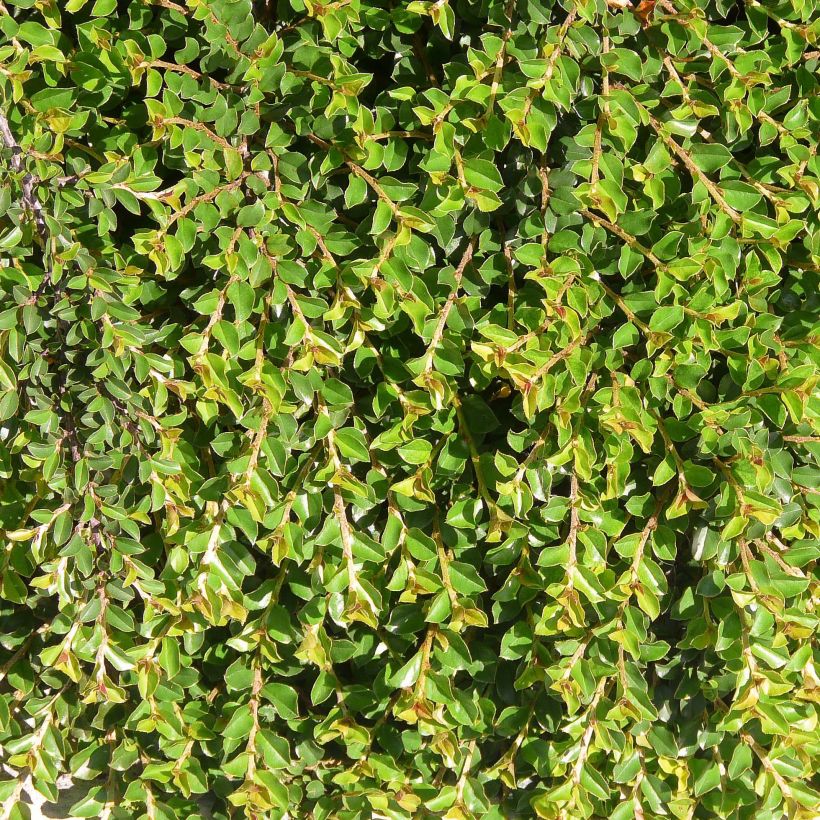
column 409, row 409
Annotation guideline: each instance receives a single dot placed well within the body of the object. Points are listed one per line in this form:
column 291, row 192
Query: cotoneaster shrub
column 409, row 409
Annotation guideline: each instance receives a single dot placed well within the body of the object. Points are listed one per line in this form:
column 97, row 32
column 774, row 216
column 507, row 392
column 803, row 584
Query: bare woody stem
column 208, row 196
column 357, row 169
column 29, row 185
column 602, row 116
column 426, row 649
column 622, row 234
column 191, row 72
column 445, row 311
column 202, row 128
column 557, row 51
column 444, row 561
column 586, row 738
column 253, row 705
column 574, row 526
column 347, row 538
column 501, row 58
column 564, row 353
column 700, row 176
column 511, row 288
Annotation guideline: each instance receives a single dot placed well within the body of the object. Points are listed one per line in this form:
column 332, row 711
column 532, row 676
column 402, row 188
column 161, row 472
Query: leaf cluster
column 410, row 409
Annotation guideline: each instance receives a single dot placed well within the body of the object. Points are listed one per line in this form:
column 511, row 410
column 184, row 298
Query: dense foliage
column 410, row 408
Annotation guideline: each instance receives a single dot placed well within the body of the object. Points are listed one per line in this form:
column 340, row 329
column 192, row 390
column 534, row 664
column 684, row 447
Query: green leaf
column 240, row 723
column 741, row 760
column 274, row 749
column 409, row 408
column 416, row 452
column 710, row 157
column 242, row 297
column 408, row 674
column 351, row 444
column 465, row 578
column 482, row 174
column 667, row 318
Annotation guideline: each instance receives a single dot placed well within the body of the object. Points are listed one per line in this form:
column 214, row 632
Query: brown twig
column 622, row 234
column 445, row 311
column 602, row 116
column 686, row 159
column 29, row 183
column 191, row 72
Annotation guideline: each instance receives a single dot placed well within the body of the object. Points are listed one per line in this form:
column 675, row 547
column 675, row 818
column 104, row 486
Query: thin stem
column 686, row 159
column 622, row 234
column 445, row 311
column 602, row 116
column 586, row 739
column 191, row 72
column 29, row 185
column 559, row 356
column 574, row 527
column 208, row 196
